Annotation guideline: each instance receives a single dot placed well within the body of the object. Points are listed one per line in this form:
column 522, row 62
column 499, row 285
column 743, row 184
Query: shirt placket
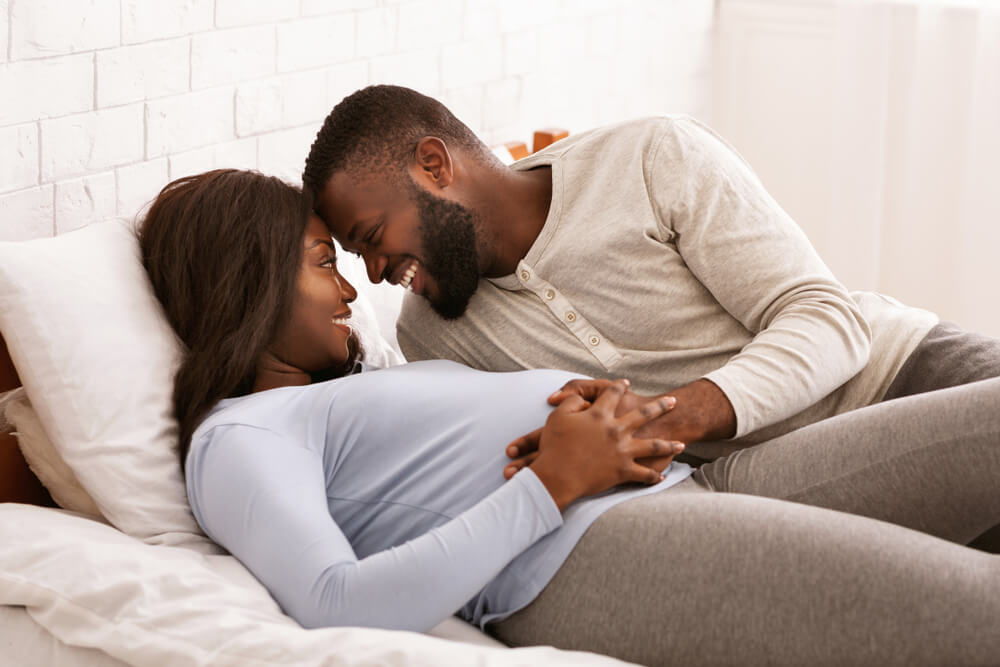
column 570, row 317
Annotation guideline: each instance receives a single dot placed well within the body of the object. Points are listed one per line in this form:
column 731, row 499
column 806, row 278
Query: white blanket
column 90, row 585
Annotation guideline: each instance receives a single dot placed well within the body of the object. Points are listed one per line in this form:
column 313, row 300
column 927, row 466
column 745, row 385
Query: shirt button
column 525, row 275
column 550, row 294
column 595, row 341
column 570, row 316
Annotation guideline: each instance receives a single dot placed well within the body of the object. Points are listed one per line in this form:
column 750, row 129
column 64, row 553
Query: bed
column 101, row 561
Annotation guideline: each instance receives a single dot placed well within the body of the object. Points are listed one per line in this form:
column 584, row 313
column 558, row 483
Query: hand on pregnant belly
column 585, row 448
column 524, row 450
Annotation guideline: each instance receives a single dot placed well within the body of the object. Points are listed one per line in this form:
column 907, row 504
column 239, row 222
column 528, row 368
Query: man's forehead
column 345, row 190
column 367, row 179
column 342, row 203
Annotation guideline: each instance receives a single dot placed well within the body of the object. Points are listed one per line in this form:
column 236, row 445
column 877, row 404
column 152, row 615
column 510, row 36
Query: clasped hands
column 588, row 444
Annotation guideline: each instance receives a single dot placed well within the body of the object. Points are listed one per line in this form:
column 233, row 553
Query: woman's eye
column 329, row 262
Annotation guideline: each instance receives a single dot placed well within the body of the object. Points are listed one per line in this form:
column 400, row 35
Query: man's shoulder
column 636, row 136
column 652, row 126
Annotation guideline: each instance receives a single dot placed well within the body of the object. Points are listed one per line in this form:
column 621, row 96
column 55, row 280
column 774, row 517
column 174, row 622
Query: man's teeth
column 408, row 276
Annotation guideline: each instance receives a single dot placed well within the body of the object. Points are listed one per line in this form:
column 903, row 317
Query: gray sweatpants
column 696, row 576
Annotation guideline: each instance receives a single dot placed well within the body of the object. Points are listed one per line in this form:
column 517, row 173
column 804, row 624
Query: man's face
column 406, row 236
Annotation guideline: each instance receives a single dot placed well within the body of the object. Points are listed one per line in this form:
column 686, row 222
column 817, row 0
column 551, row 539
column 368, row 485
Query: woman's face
column 315, row 339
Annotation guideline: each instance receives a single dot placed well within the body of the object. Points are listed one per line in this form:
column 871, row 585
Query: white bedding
column 93, row 587
column 26, row 644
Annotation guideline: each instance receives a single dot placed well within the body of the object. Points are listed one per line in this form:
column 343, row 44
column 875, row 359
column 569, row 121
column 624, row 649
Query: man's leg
column 947, row 356
column 930, row 462
column 698, row 578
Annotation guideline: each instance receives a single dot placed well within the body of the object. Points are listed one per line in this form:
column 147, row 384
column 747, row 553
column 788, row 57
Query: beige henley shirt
column 664, row 260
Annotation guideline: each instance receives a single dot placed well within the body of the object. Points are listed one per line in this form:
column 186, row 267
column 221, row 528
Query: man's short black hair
column 377, row 129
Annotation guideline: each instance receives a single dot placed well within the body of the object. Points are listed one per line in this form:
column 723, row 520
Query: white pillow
column 97, row 359
column 43, row 459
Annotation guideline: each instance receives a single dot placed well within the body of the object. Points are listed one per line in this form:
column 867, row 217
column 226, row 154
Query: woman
column 379, row 498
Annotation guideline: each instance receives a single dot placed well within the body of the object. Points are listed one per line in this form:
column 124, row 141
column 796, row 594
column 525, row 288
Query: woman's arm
column 265, row 500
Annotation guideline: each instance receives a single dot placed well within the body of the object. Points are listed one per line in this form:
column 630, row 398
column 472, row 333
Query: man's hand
column 524, row 450
column 700, row 412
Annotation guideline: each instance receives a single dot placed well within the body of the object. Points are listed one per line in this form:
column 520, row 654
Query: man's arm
column 702, row 412
column 809, row 336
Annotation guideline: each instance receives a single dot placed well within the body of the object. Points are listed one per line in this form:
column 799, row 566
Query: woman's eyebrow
column 320, row 242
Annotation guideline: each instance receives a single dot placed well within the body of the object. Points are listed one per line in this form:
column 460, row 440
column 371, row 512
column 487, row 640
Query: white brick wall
column 181, row 122
column 315, row 42
column 135, row 73
column 241, row 154
column 4, row 28
column 228, row 56
column 52, row 27
column 88, row 142
column 68, row 87
column 137, row 184
column 28, row 214
column 146, row 20
column 20, row 166
column 102, row 102
column 82, row 201
column 246, row 12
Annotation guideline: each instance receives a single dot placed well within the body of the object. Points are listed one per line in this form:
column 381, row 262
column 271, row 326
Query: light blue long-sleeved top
column 378, row 499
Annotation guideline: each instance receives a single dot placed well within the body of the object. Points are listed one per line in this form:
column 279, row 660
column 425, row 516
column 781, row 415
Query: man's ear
column 434, row 167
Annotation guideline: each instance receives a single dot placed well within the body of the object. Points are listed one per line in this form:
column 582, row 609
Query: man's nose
column 375, row 265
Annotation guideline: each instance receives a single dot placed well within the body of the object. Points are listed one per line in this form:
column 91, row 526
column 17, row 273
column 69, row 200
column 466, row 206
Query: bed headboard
column 17, row 483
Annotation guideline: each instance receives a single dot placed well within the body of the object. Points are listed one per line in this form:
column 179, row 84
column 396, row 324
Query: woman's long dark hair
column 223, row 251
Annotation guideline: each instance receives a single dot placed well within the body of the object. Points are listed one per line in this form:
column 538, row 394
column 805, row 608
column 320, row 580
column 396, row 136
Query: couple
column 380, row 498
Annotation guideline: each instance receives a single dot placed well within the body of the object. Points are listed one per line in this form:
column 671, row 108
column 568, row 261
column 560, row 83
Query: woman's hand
column 705, row 411
column 585, row 449
column 524, row 450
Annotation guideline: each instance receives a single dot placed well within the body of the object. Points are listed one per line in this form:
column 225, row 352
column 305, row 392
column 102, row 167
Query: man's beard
column 448, row 233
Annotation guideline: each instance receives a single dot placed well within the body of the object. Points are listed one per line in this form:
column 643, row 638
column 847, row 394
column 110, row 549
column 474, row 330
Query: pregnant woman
column 378, row 497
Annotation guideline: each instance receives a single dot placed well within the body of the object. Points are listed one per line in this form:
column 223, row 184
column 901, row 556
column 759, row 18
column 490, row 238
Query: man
column 647, row 250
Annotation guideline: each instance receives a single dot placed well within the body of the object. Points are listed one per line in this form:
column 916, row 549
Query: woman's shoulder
column 258, row 409
column 276, row 412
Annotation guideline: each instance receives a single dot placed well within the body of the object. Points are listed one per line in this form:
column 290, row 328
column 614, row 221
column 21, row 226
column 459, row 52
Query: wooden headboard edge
column 8, row 374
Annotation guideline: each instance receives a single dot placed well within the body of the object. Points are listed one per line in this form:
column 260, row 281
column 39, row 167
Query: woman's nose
column 347, row 291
